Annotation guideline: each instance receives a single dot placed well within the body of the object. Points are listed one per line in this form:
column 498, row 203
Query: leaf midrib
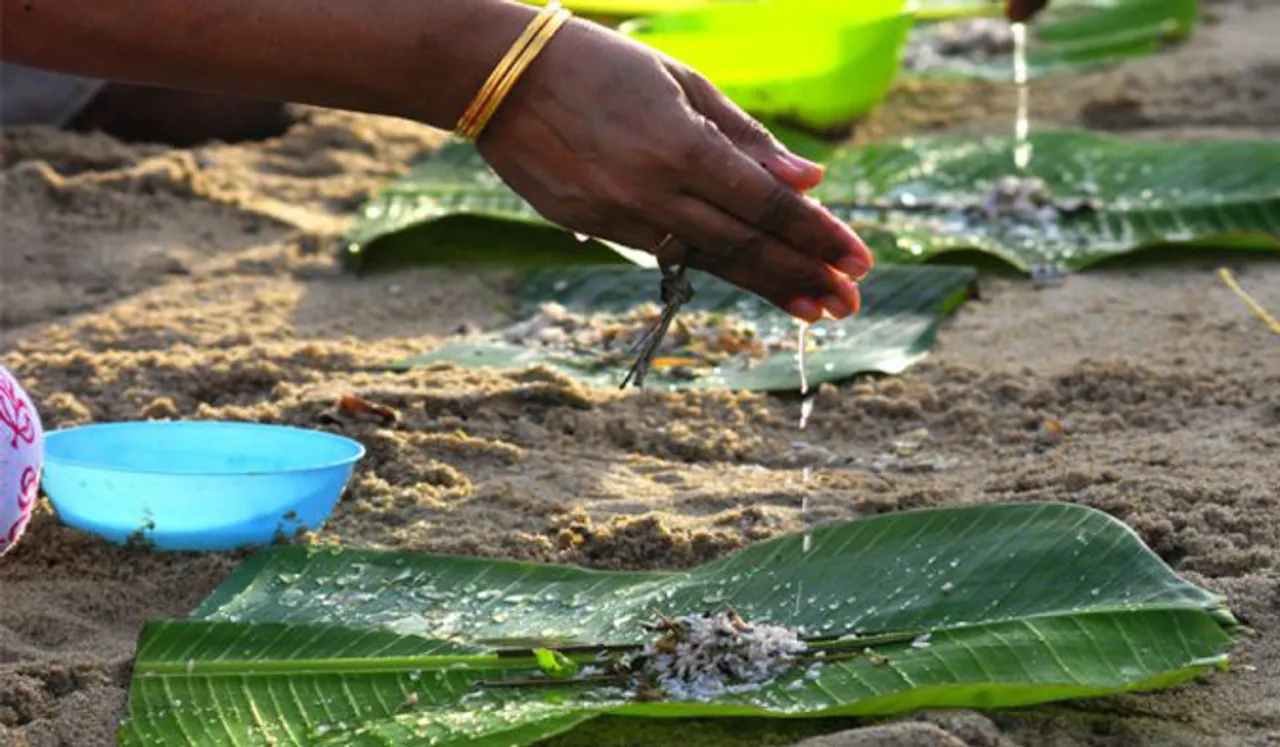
column 492, row 661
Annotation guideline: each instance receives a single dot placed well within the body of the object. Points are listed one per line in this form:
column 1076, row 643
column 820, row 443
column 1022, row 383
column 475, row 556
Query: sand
column 141, row 281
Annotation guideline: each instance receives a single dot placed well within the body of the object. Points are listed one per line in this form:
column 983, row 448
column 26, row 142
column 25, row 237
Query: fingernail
column 798, row 173
column 804, row 164
column 788, row 172
column 855, row 301
column 851, row 296
column 860, row 262
column 852, row 266
column 805, row 309
column 836, row 305
column 811, row 176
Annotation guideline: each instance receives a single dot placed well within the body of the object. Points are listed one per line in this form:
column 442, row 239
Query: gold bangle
column 466, row 121
column 530, row 53
column 503, row 78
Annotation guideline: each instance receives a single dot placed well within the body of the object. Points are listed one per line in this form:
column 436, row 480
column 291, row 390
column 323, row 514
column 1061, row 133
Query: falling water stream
column 1021, row 159
column 806, row 409
column 1022, row 121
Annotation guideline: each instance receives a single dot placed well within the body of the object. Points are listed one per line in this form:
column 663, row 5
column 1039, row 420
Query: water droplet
column 806, row 410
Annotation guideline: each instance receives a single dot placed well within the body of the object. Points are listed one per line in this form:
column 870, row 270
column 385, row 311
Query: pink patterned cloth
column 21, row 454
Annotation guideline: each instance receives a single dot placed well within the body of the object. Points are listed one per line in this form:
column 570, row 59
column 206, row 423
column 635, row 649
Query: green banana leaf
column 1070, row 36
column 452, row 209
column 903, row 308
column 978, row 606
column 1223, row 195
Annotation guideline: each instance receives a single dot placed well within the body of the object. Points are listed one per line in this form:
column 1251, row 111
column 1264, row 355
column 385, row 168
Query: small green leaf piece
column 555, row 664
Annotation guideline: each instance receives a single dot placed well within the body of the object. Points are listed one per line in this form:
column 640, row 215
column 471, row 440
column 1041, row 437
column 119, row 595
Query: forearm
column 422, row 59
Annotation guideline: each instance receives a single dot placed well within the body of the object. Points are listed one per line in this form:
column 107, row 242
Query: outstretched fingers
column 747, row 134
column 725, row 246
column 727, row 178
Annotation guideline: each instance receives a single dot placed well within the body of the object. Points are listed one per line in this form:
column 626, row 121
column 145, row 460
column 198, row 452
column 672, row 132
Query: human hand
column 1021, row 11
column 604, row 136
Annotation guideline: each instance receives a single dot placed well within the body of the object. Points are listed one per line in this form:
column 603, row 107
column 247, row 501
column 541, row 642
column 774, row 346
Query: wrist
column 451, row 61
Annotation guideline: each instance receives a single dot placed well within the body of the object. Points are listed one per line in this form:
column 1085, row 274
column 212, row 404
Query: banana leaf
column 453, row 209
column 978, row 606
column 1211, row 194
column 903, row 308
column 1223, row 195
column 1069, row 36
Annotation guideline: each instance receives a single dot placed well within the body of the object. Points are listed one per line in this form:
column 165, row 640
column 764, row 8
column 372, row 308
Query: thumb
column 749, row 135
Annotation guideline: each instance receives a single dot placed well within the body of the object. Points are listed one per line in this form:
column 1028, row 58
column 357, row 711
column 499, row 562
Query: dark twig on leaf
column 676, row 292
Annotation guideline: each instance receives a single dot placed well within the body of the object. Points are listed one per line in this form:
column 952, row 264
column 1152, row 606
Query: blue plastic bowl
column 196, row 485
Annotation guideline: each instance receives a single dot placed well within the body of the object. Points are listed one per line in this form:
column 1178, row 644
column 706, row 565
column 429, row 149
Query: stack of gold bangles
column 504, row 76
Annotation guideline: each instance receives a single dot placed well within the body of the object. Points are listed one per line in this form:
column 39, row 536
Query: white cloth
column 30, row 95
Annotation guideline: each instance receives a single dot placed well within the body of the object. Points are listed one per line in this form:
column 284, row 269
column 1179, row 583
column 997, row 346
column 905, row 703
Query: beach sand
column 147, row 282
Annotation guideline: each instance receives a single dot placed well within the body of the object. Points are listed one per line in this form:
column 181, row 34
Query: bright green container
column 818, row 64
column 924, row 10
column 619, row 9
